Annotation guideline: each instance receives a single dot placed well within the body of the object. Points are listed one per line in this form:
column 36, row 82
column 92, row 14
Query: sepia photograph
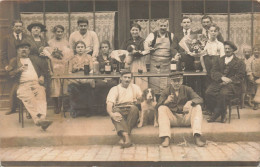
column 138, row 83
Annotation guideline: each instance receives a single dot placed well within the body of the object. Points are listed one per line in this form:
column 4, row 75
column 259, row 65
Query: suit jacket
column 9, row 48
column 219, row 36
column 235, row 70
column 38, row 65
column 185, row 94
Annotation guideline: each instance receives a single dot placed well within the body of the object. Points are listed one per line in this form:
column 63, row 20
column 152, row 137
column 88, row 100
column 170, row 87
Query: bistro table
column 80, row 75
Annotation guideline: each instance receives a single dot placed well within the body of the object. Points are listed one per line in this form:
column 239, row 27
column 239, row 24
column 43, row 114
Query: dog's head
column 148, row 95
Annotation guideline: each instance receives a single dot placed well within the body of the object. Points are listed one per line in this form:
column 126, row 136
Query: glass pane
column 256, row 6
column 195, row 6
column 106, row 5
column 160, row 9
column 240, row 6
column 220, row 6
column 36, row 6
column 139, row 9
column 56, row 6
column 81, row 6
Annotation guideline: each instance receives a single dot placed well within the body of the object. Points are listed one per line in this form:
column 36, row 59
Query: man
column 9, row 51
column 179, row 105
column 89, row 37
column 121, row 107
column 29, row 74
column 206, row 21
column 161, row 41
column 228, row 73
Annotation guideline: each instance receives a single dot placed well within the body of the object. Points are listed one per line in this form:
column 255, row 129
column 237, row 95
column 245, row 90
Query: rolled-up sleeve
column 148, row 41
column 111, row 97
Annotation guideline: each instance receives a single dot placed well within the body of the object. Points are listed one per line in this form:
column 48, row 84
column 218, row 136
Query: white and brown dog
column 148, row 112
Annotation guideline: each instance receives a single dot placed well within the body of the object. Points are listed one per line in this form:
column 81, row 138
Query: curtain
column 256, row 28
column 105, row 23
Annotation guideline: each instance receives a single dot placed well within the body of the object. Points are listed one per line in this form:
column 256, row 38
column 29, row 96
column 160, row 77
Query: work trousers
column 166, row 119
column 33, row 96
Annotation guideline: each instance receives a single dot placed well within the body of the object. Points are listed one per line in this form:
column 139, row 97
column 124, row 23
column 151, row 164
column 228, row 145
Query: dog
column 148, row 111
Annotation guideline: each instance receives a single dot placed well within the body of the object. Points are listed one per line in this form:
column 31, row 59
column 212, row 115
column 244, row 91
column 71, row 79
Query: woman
column 103, row 86
column 138, row 59
column 59, row 54
column 80, row 90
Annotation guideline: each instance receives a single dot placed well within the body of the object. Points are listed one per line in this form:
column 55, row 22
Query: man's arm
column 13, row 70
column 95, row 44
column 193, row 96
column 148, row 41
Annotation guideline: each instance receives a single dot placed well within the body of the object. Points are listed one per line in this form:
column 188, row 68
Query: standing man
column 88, row 37
column 29, row 74
column 161, row 41
column 179, row 105
column 9, row 51
column 228, row 73
column 206, row 21
column 121, row 107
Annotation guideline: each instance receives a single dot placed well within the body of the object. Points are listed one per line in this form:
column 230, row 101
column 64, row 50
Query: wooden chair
column 233, row 101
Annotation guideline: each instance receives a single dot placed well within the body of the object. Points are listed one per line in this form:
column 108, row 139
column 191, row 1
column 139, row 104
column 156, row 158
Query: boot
column 255, row 106
column 250, row 101
column 213, row 117
column 198, row 140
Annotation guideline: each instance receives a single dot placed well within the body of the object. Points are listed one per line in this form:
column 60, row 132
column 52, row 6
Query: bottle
column 174, row 65
column 108, row 67
column 95, row 66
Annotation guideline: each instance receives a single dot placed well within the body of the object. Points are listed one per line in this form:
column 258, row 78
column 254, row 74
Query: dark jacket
column 235, row 70
column 185, row 94
column 9, row 48
column 219, row 36
column 36, row 45
column 38, row 65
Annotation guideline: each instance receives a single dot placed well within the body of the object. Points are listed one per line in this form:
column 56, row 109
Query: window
column 36, row 6
column 81, row 6
column 139, row 9
column 106, row 5
column 240, row 6
column 220, row 6
column 195, row 6
column 56, row 6
column 160, row 9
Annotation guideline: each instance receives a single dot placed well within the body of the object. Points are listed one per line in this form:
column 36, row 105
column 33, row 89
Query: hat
column 24, row 43
column 176, row 74
column 125, row 71
column 231, row 44
column 43, row 27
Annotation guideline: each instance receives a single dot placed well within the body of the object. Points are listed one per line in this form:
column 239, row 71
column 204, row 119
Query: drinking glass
column 158, row 67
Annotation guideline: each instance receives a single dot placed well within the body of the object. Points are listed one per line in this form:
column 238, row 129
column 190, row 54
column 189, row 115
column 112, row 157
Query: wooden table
column 81, row 75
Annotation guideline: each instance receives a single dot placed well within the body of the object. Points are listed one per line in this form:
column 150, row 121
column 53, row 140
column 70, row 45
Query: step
column 99, row 130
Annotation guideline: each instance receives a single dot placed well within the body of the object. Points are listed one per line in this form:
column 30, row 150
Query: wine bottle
column 95, row 66
column 173, row 65
column 108, row 67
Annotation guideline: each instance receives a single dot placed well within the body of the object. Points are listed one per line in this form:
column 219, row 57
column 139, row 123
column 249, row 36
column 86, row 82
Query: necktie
column 185, row 32
column 17, row 37
column 207, row 33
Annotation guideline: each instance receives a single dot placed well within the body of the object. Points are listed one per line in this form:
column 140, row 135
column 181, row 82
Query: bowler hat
column 231, row 44
column 24, row 43
column 43, row 27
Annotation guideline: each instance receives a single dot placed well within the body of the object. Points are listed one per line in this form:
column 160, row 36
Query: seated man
column 29, row 74
column 179, row 105
column 121, row 107
column 228, row 73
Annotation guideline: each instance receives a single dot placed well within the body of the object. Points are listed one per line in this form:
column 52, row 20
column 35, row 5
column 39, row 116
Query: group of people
column 31, row 60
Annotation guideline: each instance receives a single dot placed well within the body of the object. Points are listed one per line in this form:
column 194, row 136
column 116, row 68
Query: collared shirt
column 90, row 39
column 188, row 31
column 29, row 74
column 119, row 94
column 215, row 48
column 248, row 63
column 20, row 36
column 228, row 59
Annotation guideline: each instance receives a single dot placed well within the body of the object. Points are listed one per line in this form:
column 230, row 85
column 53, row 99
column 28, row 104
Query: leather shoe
column 9, row 112
column 198, row 140
column 224, row 118
column 255, row 106
column 44, row 124
column 166, row 142
column 211, row 119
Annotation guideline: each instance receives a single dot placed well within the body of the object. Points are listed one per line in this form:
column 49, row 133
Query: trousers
column 166, row 119
column 33, row 96
column 129, row 120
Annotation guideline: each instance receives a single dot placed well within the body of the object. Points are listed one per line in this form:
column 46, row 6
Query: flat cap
column 231, row 44
column 24, row 43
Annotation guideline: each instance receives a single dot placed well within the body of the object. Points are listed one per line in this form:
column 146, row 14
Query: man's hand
column 250, row 77
column 41, row 80
column 116, row 116
column 22, row 69
column 169, row 99
column 226, row 80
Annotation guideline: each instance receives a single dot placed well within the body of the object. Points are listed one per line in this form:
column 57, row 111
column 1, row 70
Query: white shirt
column 29, row 74
column 215, row 48
column 20, row 36
column 228, row 59
column 149, row 39
column 90, row 39
column 119, row 94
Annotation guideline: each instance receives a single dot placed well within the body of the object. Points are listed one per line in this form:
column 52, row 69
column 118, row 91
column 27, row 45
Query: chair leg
column 238, row 114
column 242, row 103
column 22, row 114
column 229, row 112
column 19, row 113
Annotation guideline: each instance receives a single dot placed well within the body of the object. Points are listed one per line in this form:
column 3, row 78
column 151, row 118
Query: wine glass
column 114, row 68
column 102, row 70
column 182, row 66
column 158, row 67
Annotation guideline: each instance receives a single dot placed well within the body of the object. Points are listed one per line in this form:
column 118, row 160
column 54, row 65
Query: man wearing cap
column 89, row 37
column 121, row 107
column 178, row 106
column 29, row 74
column 227, row 73
column 9, row 51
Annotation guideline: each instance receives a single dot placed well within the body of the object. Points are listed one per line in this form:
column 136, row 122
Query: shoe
column 207, row 113
column 10, row 112
column 211, row 119
column 28, row 116
column 126, row 145
column 45, row 124
column 198, row 140
column 224, row 118
column 166, row 142
column 255, row 106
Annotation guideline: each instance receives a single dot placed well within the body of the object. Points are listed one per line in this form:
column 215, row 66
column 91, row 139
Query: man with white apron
column 161, row 57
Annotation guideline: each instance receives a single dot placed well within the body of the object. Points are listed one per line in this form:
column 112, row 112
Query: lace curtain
column 105, row 23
